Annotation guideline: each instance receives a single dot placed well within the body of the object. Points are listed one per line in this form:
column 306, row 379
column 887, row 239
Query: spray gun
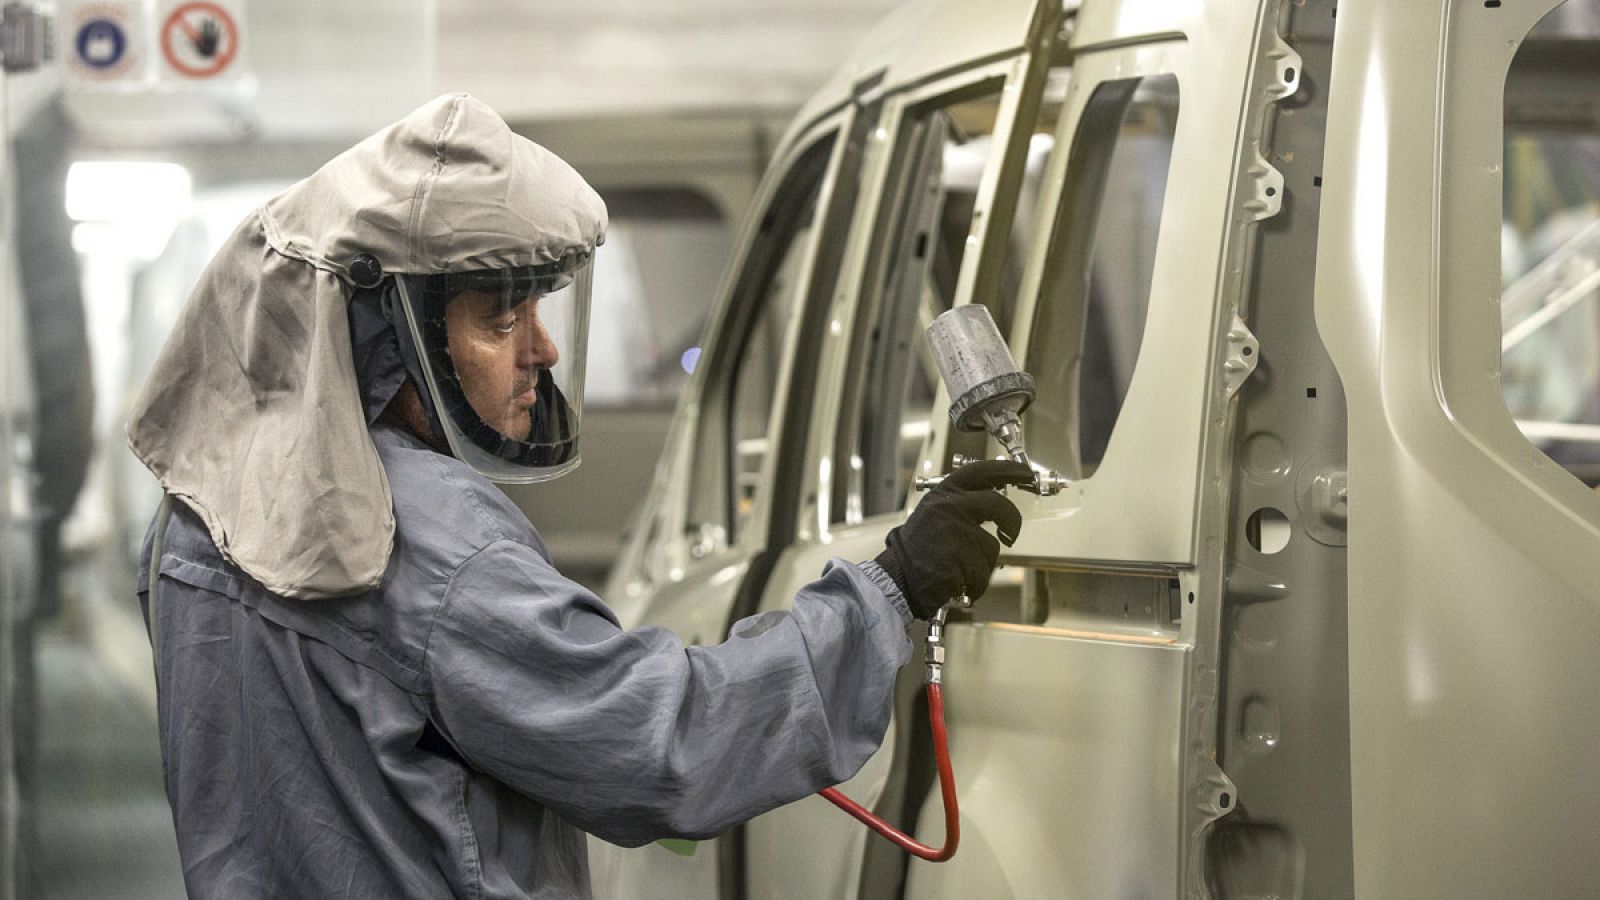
column 988, row 391
column 991, row 393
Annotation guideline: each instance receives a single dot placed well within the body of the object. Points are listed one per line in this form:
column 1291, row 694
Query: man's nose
column 538, row 350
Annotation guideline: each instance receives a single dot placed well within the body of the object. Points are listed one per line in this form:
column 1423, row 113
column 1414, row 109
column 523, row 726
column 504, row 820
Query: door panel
column 1092, row 691
column 1086, row 731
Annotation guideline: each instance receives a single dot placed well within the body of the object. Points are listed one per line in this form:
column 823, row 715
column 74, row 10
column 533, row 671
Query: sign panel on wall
column 104, row 41
column 199, row 40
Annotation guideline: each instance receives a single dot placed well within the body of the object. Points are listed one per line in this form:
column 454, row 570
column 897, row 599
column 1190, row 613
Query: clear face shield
column 502, row 352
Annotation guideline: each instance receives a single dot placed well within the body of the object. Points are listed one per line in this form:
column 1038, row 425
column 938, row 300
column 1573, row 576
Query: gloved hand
column 942, row 550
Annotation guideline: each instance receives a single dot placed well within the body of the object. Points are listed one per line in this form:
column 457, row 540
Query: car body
column 1316, row 617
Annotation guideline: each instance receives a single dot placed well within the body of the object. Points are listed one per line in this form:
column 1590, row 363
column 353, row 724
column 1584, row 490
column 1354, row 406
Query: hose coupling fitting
column 934, row 654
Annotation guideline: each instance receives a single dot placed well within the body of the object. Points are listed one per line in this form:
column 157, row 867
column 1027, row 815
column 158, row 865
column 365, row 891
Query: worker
column 372, row 682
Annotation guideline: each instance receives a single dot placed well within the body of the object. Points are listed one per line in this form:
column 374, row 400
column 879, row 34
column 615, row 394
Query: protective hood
column 252, row 414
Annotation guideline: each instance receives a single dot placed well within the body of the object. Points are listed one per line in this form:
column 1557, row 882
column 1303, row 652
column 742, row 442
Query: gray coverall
column 455, row 732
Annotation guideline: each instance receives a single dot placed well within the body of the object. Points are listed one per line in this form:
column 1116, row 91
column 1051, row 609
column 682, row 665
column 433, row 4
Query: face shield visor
column 502, row 354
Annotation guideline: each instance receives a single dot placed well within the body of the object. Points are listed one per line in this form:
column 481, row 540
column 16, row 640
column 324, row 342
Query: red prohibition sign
column 223, row 45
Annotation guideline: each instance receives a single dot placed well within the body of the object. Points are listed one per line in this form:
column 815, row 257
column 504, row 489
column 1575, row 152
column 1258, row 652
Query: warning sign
column 199, row 39
column 102, row 40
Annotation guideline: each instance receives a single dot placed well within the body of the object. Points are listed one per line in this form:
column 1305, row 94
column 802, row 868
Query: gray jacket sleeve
column 631, row 735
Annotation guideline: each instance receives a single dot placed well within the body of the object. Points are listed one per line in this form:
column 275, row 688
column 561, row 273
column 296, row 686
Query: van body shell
column 1154, row 699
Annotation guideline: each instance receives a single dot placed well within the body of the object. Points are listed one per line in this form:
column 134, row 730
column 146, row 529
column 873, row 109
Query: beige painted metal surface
column 803, row 850
column 1156, row 699
column 1034, row 707
column 1140, row 505
column 926, row 40
column 1474, row 561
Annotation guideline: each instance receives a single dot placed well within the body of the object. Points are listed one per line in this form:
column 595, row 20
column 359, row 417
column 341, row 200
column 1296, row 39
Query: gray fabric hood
column 252, row 414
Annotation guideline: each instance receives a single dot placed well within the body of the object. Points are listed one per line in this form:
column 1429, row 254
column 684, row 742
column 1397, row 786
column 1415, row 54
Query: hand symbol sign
column 209, row 38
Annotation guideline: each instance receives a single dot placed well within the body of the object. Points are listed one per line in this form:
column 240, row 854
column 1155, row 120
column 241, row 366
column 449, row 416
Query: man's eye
column 506, row 325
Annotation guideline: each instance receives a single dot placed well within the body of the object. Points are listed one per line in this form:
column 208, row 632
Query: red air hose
column 947, row 789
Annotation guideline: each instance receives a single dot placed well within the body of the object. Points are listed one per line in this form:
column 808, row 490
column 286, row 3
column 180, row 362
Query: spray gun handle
column 1047, row 482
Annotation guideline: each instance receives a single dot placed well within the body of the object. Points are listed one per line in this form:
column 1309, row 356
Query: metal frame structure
column 1153, row 700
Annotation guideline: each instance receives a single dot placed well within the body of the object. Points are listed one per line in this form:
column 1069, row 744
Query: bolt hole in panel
column 1268, row 530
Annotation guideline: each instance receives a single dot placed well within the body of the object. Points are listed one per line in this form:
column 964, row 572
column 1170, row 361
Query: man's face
column 498, row 351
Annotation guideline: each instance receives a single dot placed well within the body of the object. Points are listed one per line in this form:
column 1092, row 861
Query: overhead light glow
column 127, row 191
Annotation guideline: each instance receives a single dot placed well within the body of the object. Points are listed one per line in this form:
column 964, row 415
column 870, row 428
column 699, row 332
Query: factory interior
column 1295, row 595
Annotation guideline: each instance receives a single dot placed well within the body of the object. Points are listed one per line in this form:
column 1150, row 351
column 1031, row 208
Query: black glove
column 942, row 550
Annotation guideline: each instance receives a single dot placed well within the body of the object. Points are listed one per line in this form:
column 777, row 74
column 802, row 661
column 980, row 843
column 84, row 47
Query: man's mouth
column 526, row 393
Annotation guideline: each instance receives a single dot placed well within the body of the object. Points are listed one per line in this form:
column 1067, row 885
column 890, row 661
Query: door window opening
column 1090, row 318
column 944, row 147
column 1550, row 240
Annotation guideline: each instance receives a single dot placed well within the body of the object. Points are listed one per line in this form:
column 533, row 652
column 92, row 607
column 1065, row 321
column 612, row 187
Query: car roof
column 920, row 41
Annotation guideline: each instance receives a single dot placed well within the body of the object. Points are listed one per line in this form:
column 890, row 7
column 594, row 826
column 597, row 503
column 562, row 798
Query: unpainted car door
column 1081, row 694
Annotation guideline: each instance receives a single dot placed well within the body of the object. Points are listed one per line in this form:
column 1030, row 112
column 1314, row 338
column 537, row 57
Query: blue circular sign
column 101, row 43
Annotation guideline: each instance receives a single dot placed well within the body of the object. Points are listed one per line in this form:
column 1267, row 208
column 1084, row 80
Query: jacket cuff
column 891, row 591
